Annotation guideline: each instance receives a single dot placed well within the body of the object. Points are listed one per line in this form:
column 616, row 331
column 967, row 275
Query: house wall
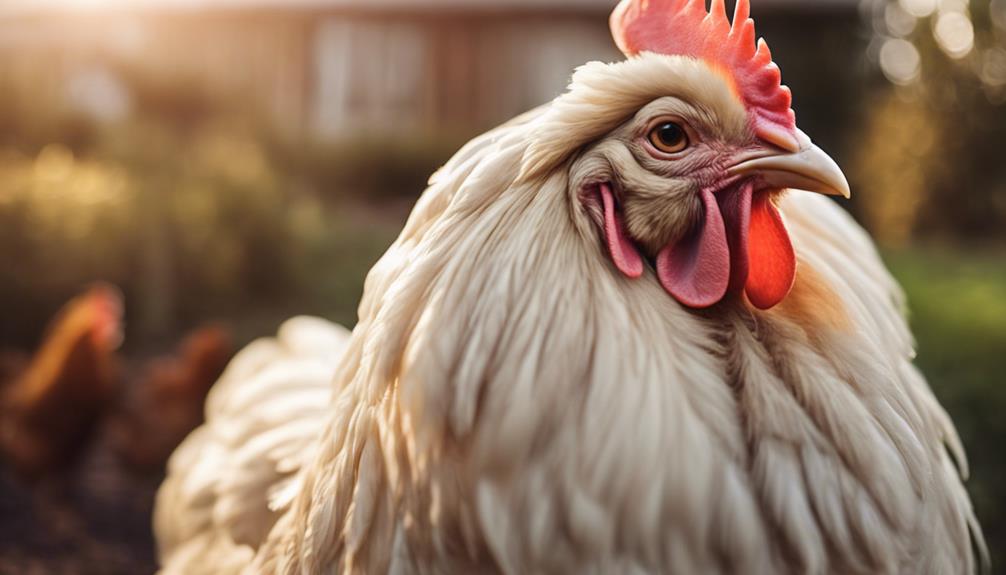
column 46, row 62
column 460, row 71
column 327, row 73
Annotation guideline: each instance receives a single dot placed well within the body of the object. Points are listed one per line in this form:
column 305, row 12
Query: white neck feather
column 508, row 398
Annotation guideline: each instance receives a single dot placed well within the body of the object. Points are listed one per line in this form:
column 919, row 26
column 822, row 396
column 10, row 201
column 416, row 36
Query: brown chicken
column 166, row 401
column 49, row 407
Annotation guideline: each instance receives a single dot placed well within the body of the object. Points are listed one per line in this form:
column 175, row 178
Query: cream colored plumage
column 510, row 403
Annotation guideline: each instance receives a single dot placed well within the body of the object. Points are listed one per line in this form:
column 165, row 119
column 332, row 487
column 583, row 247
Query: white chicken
column 613, row 337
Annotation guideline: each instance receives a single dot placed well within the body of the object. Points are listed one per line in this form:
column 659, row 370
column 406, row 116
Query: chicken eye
column 669, row 137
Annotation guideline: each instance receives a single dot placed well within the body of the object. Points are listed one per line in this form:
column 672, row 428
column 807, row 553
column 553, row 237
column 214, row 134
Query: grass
column 957, row 300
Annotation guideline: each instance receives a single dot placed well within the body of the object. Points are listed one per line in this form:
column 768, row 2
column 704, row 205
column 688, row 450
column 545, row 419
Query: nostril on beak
column 808, row 169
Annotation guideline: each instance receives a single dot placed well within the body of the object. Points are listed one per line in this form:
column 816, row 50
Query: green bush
column 958, row 313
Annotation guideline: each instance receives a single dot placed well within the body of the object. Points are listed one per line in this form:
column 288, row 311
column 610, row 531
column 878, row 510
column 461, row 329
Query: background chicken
column 87, row 431
column 164, row 401
column 607, row 340
column 51, row 403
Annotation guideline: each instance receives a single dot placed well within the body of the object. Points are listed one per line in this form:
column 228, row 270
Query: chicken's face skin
column 688, row 184
column 658, row 192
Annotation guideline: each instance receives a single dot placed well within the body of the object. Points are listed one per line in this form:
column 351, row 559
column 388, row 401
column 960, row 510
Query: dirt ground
column 93, row 519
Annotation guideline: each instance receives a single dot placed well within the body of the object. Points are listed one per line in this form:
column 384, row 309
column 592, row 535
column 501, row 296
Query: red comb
column 105, row 301
column 684, row 28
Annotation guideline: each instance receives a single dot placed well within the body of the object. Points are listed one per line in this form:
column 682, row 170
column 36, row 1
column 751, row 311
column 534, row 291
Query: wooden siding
column 332, row 74
column 340, row 68
column 421, row 74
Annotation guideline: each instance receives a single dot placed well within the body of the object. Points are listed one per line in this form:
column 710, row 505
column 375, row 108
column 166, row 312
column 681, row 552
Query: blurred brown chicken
column 49, row 405
column 165, row 402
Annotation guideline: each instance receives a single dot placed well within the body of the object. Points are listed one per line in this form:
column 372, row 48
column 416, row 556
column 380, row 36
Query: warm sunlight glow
column 75, row 5
column 85, row 4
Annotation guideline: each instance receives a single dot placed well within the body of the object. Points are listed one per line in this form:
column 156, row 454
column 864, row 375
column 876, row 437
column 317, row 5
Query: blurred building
column 329, row 68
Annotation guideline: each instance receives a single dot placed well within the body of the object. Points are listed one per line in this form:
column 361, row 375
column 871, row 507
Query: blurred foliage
column 217, row 230
column 930, row 164
column 209, row 215
column 958, row 314
column 898, row 138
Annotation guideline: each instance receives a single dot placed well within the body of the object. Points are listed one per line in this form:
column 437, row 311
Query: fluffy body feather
column 263, row 418
column 509, row 404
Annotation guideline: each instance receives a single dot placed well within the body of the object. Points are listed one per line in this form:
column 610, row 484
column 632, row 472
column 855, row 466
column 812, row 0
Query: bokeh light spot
column 997, row 11
column 955, row 34
column 899, row 22
column 993, row 70
column 899, row 60
column 55, row 162
column 919, row 8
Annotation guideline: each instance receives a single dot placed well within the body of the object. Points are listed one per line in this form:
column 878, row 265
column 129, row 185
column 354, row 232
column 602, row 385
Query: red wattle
column 623, row 251
column 696, row 269
column 735, row 206
column 741, row 244
column 770, row 253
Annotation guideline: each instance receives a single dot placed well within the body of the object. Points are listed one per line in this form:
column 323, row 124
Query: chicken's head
column 684, row 149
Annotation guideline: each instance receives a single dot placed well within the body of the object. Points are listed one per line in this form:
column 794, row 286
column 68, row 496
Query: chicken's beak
column 808, row 168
